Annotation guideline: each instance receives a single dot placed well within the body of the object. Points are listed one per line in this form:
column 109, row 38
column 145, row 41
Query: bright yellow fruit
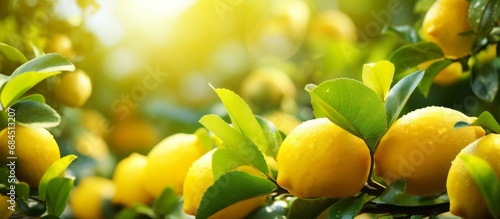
column 95, row 122
column 333, row 24
column 283, row 121
column 5, row 212
column 35, row 149
column 133, row 135
column 488, row 54
column 320, row 159
column 74, row 88
column 128, row 183
column 87, row 198
column 420, row 146
column 448, row 75
column 444, row 24
column 466, row 200
column 169, row 162
column 200, row 177
column 62, row 45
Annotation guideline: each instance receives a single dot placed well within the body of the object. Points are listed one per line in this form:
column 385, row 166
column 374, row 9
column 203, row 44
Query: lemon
column 74, row 88
column 448, row 75
column 128, row 186
column 333, row 24
column 320, row 159
column 169, row 161
column 61, row 44
column 420, row 146
column 35, row 149
column 95, row 122
column 87, row 198
column 445, row 23
column 91, row 145
column 466, row 200
column 284, row 122
column 200, row 177
column 133, row 135
column 488, row 54
column 5, row 212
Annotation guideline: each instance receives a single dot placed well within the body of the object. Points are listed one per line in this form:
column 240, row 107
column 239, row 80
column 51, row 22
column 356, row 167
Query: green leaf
column 411, row 55
column 12, row 53
column 34, row 97
column 393, row 191
column 484, row 80
column 16, row 87
column 405, row 32
column 276, row 210
column 45, row 63
column 430, row 73
column 224, row 160
column 37, row 114
column 242, row 117
column 399, row 95
column 486, row 180
column 166, row 203
column 347, row 208
column 206, row 141
column 378, row 77
column 483, row 16
column 241, row 145
column 58, row 190
column 55, row 170
column 309, row 208
column 485, row 120
column 3, row 80
column 31, row 208
column 352, row 106
column 231, row 188
column 127, row 213
column 22, row 190
column 273, row 136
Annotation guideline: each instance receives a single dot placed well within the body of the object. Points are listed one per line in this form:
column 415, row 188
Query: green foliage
column 378, row 76
column 166, row 203
column 399, row 95
column 485, row 120
column 483, row 16
column 46, row 116
column 273, row 136
column 484, row 80
column 57, row 194
column 55, row 170
column 12, row 54
column 409, row 56
column 347, row 207
column 430, row 73
column 309, row 208
column 393, row 191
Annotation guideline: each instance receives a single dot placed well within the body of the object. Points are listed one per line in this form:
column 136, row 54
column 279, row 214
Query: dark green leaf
column 276, row 210
column 484, row 80
column 483, row 15
column 393, row 191
column 34, row 97
column 430, row 73
column 231, row 188
column 486, row 180
column 309, row 208
column 409, row 56
column 224, row 160
column 347, row 208
column 166, row 203
column 273, row 136
column 234, row 140
column 37, row 114
column 55, row 170
column 17, row 86
column 22, row 190
column 12, row 53
column 58, row 190
column 399, row 95
column 405, row 32
column 31, row 208
column 127, row 213
column 45, row 63
column 485, row 120
column 352, row 106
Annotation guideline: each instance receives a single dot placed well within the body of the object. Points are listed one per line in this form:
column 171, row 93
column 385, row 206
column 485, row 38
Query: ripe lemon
column 169, row 162
column 128, row 186
column 95, row 122
column 200, row 177
column 466, row 200
column 5, row 212
column 333, row 24
column 87, row 198
column 448, row 75
column 74, row 88
column 133, row 135
column 320, row 159
column 445, row 23
column 283, row 121
column 61, row 44
column 35, row 149
column 420, row 146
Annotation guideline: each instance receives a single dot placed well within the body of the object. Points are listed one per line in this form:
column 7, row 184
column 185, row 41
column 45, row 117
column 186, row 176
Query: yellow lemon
column 61, row 44
column 128, row 184
column 87, row 198
column 333, row 24
column 5, row 212
column 445, row 23
column 284, row 122
column 169, row 162
column 320, row 159
column 35, row 149
column 420, row 146
column 133, row 135
column 74, row 88
column 448, row 75
column 200, row 177
column 466, row 200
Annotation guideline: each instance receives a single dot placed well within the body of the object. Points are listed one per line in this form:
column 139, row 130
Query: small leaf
column 224, row 160
column 309, row 208
column 483, row 16
column 206, row 141
column 273, row 136
column 34, row 97
column 45, row 63
column 405, row 32
column 486, row 180
column 242, row 117
column 12, row 54
column 234, row 140
column 166, row 203
column 485, row 120
column 347, row 208
column 352, row 106
column 22, row 190
column 399, row 95
column 37, row 114
column 378, row 77
column 17, row 86
column 393, row 191
column 55, row 170
column 430, row 73
column 231, row 188
column 411, row 55
column 484, row 80
column 58, row 190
